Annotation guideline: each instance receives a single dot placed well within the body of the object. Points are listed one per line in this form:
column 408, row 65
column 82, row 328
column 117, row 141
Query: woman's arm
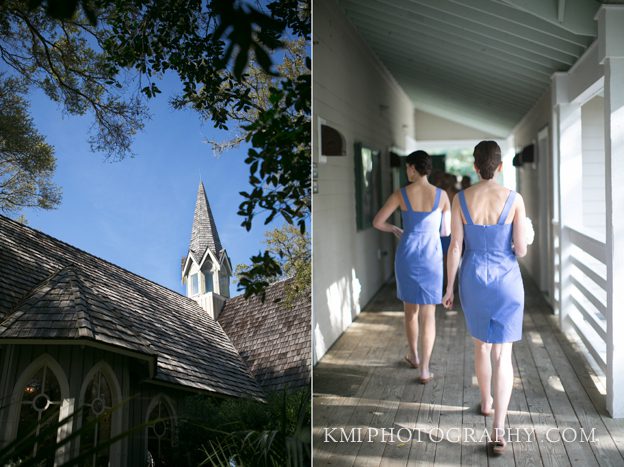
column 445, row 205
column 381, row 218
column 454, row 252
column 519, row 234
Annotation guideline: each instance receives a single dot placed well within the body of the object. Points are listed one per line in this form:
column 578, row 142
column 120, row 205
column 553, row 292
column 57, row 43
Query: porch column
column 570, row 169
column 611, row 47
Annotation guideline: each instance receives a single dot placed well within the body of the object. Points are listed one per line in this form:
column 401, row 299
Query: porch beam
column 611, row 41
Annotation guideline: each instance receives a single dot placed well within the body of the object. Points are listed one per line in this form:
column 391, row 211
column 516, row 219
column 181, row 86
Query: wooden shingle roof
column 273, row 338
column 53, row 291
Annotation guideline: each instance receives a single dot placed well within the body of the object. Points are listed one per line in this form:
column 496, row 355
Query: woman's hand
column 397, row 231
column 447, row 300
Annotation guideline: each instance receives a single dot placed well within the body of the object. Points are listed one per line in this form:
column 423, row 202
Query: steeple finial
column 204, row 234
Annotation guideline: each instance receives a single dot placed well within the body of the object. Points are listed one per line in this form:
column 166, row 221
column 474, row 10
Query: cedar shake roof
column 51, row 290
column 272, row 338
column 204, row 235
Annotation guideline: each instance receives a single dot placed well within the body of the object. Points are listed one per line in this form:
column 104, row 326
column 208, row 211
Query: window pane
column 194, row 284
column 33, row 387
column 159, row 435
column 209, row 287
column 96, row 418
column 52, row 387
column 36, row 411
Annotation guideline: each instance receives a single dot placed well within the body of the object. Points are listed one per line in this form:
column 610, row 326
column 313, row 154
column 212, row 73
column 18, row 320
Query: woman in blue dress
column 418, row 260
column 489, row 218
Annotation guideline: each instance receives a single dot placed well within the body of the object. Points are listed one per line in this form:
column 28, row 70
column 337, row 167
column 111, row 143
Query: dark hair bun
column 487, row 156
column 421, row 161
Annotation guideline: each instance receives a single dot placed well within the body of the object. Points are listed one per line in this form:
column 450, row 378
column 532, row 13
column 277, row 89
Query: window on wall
column 195, row 284
column 224, row 285
column 367, row 185
column 209, row 285
column 160, row 435
column 41, row 401
column 96, row 419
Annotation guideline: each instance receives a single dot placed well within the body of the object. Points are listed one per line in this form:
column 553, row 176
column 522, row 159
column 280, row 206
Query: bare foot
column 425, row 376
column 486, row 409
column 413, row 362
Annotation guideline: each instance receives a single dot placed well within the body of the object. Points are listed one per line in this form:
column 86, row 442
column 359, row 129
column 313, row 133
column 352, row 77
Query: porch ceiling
column 482, row 63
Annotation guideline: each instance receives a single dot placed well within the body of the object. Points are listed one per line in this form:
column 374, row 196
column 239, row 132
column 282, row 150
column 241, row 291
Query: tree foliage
column 26, row 161
column 291, row 250
column 64, row 59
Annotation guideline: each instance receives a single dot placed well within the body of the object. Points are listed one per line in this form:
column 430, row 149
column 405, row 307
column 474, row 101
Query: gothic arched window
column 40, row 406
column 160, row 433
column 96, row 425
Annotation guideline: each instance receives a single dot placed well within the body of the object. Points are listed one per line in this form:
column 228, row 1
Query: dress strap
column 436, row 203
column 464, row 207
column 507, row 207
column 407, row 203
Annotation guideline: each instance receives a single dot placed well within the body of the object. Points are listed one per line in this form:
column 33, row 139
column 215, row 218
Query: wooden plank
column 423, row 449
column 552, row 454
column 604, row 447
column 586, row 377
column 392, row 376
column 557, row 395
column 334, row 410
column 451, row 414
column 472, row 453
column 588, row 244
column 599, row 280
column 525, row 449
column 601, row 307
column 373, row 398
column 590, row 318
column 588, row 345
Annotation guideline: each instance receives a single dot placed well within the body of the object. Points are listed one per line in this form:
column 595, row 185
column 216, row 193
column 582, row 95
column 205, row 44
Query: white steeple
column 206, row 270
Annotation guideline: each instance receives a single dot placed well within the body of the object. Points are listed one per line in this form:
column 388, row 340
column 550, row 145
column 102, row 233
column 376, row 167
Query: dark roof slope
column 204, row 234
column 52, row 290
column 274, row 339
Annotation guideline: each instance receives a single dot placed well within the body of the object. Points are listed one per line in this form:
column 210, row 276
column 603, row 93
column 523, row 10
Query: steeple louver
column 204, row 234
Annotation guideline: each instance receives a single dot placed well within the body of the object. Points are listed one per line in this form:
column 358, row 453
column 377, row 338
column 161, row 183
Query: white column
column 570, row 166
column 611, row 42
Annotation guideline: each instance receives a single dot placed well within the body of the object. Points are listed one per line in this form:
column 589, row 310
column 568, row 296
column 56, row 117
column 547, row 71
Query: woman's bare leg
column 503, row 384
column 483, row 368
column 427, row 337
column 411, row 331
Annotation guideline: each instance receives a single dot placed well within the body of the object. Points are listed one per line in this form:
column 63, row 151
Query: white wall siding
column 592, row 128
column 537, row 198
column 354, row 93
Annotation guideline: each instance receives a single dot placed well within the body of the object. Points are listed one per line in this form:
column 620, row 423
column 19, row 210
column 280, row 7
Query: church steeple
column 207, row 269
column 204, row 234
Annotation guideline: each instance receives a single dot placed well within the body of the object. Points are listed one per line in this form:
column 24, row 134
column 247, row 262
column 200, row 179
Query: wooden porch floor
column 362, row 383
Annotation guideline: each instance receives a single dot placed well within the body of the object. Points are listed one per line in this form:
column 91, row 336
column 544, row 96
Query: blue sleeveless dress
column 490, row 284
column 418, row 260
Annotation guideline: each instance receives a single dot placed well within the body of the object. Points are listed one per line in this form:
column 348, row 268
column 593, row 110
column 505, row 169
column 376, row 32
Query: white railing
column 555, row 300
column 583, row 291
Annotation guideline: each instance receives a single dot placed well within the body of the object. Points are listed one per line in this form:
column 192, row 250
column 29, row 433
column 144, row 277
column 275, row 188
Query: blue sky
column 138, row 212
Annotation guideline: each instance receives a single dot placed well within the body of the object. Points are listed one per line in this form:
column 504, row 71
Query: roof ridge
column 31, row 293
column 73, row 247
